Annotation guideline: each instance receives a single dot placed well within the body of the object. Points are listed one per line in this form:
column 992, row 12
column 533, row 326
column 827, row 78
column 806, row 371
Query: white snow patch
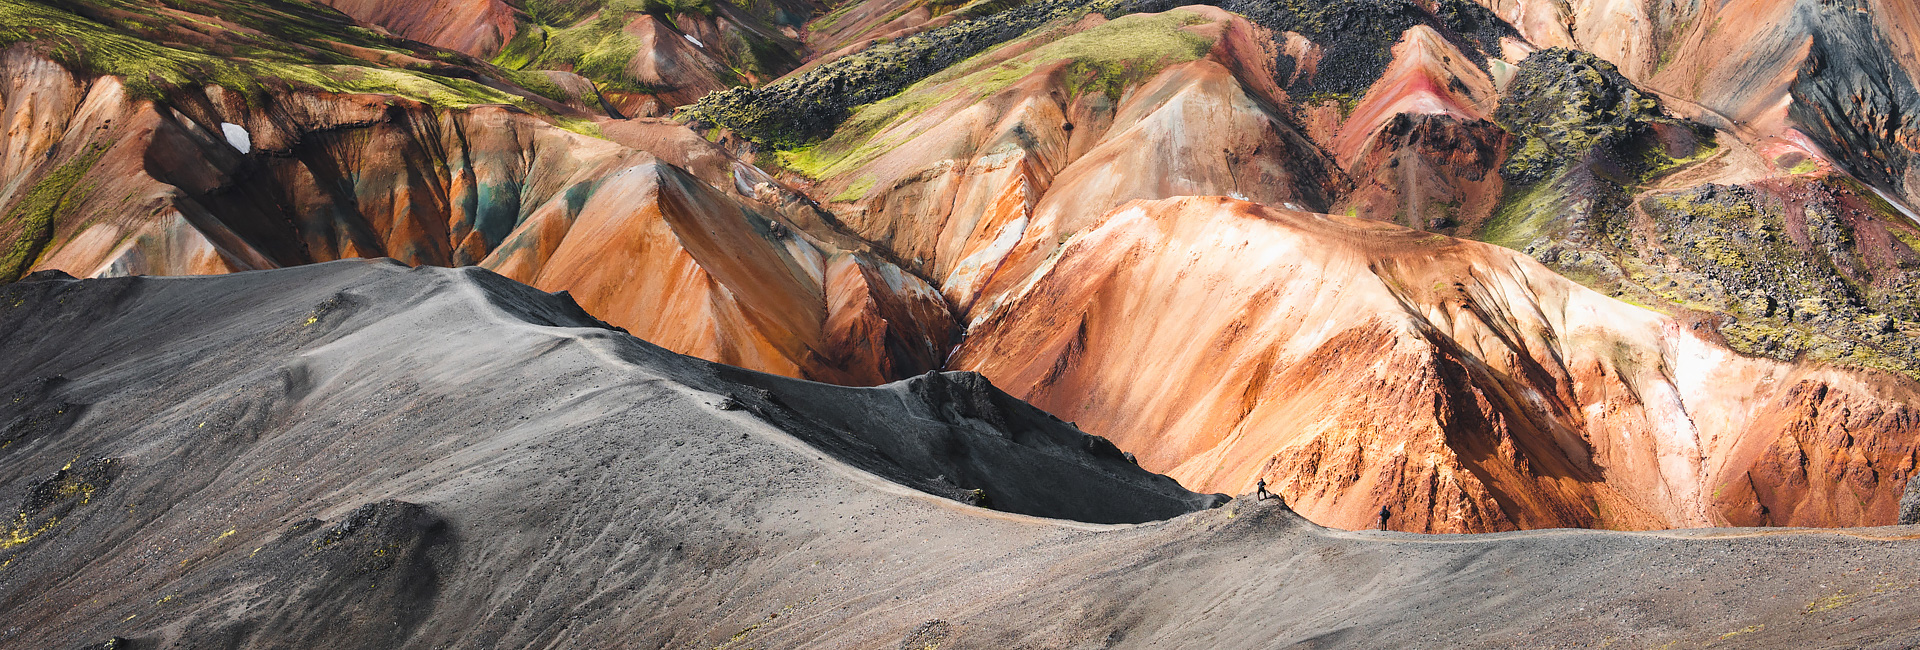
column 746, row 179
column 237, row 136
column 1897, row 204
column 696, row 42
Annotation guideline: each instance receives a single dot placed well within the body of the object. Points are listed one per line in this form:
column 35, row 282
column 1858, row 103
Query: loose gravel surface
column 361, row 455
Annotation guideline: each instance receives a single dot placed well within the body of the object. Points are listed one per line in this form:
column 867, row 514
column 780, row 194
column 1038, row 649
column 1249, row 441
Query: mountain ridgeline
column 809, row 105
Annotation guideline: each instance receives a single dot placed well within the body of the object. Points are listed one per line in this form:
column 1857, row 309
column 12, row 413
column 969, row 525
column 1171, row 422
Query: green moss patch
column 588, row 37
column 810, row 105
column 1568, row 107
column 1108, row 58
column 1105, row 59
column 1523, row 215
column 1795, row 289
column 36, row 212
column 598, row 49
column 156, row 48
column 856, row 191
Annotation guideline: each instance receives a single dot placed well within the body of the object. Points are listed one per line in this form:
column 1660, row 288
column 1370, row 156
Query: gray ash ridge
column 361, row 455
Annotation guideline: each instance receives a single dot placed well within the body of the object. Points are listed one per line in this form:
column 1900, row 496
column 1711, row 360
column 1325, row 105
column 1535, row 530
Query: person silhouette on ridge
column 1260, row 492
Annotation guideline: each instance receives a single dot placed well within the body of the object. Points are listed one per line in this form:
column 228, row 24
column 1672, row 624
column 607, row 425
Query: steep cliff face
column 1460, row 386
column 1419, row 144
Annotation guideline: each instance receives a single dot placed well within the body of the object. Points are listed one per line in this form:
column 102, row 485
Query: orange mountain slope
column 167, row 190
column 1461, row 386
column 1358, row 365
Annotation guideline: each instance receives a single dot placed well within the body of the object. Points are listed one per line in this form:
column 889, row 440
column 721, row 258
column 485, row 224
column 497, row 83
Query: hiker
column 1260, row 492
column 1383, row 517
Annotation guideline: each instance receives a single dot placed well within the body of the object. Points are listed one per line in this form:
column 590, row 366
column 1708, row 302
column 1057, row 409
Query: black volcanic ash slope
column 950, row 434
column 358, row 455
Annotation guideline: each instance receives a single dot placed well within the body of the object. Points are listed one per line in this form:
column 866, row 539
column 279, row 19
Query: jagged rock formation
column 360, row 455
column 1419, row 144
column 1800, row 267
column 1807, row 264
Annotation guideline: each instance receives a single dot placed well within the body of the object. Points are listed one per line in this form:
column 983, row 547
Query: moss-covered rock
column 589, row 37
column 34, row 214
column 1805, row 267
column 1794, row 275
column 1568, row 107
column 1358, row 36
column 1583, row 136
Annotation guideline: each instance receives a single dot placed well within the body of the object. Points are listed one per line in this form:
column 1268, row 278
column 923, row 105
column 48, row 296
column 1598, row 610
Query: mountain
column 644, row 57
column 1358, row 364
column 360, row 454
column 1487, row 265
column 1750, row 335
column 107, row 181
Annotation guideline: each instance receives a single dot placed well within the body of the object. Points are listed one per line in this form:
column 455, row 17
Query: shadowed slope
column 358, row 455
column 705, row 266
column 954, row 428
column 476, row 27
column 1463, row 387
column 993, row 161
